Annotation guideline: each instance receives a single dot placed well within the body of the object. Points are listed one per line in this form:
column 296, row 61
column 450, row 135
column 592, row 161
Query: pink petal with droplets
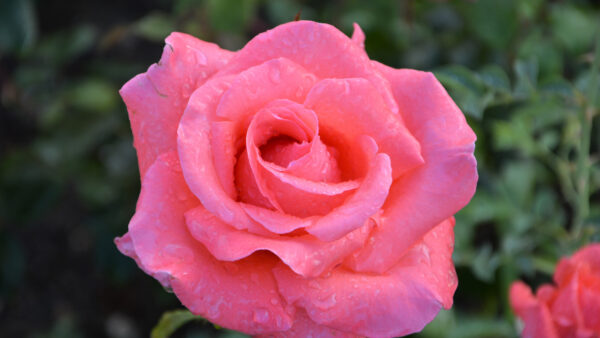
column 319, row 48
column 399, row 302
column 305, row 327
column 156, row 99
column 237, row 295
column 304, row 254
column 425, row 196
column 196, row 154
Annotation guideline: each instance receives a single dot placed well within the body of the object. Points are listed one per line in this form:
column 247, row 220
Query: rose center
column 285, row 159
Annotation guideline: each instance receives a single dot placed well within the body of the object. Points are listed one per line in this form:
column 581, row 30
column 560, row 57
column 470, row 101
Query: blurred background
column 520, row 70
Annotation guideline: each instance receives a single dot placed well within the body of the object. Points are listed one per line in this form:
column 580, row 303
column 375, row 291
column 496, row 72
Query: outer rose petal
column 358, row 36
column 443, row 185
column 521, row 298
column 400, row 302
column 565, row 309
column 305, row 327
column 241, row 296
column 156, row 99
column 589, row 300
column 320, row 48
column 538, row 323
column 304, row 254
column 589, row 255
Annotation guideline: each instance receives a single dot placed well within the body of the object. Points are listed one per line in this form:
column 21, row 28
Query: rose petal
column 521, row 298
column 320, row 48
column 284, row 190
column 397, row 303
column 538, row 323
column 439, row 188
column 125, row 245
column 249, row 92
column 257, row 86
column 589, row 299
column 565, row 309
column 283, row 151
column 156, row 99
column 348, row 108
column 196, row 154
column 305, row 327
column 358, row 36
column 589, row 256
column 304, row 254
column 275, row 221
column 241, row 295
column 364, row 203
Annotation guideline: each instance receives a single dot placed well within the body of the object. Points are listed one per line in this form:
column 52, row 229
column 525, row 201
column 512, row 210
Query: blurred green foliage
column 520, row 70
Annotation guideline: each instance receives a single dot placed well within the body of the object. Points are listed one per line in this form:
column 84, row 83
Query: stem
column 583, row 159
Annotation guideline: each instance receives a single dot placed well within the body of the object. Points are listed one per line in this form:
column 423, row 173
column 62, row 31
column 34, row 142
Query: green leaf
column 94, row 95
column 558, row 86
column 572, row 27
column 494, row 22
column 171, row 321
column 231, row 16
column 155, row 26
column 466, row 88
column 485, row 263
column 17, row 25
column 527, row 75
column 495, row 78
column 544, row 51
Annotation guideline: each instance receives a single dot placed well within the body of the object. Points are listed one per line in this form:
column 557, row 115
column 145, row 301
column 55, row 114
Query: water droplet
column 274, row 301
column 261, row 315
column 198, row 55
column 425, row 258
column 275, row 75
column 346, row 87
column 313, row 284
column 226, row 214
column 326, row 302
column 177, row 251
column 215, row 310
column 316, row 262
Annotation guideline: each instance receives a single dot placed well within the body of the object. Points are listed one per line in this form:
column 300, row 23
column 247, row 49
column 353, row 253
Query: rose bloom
column 571, row 307
column 296, row 187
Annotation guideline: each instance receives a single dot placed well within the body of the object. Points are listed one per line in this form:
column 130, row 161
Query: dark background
column 520, row 70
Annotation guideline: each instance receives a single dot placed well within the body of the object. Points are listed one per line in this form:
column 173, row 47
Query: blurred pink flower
column 571, row 307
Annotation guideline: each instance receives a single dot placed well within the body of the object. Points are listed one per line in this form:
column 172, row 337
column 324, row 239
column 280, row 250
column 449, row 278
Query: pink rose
column 571, row 308
column 296, row 187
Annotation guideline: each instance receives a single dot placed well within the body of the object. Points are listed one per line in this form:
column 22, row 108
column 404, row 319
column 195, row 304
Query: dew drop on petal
column 198, row 55
column 313, row 284
column 326, row 302
column 261, row 315
column 275, row 75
